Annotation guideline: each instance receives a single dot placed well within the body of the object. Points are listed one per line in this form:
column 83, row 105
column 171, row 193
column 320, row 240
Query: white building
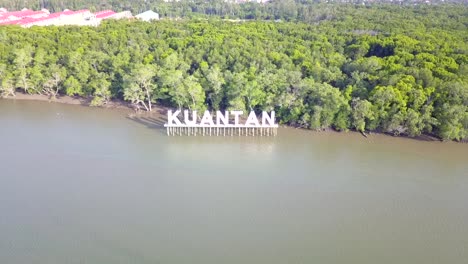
column 148, row 16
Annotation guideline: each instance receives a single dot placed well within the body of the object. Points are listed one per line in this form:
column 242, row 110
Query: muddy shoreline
column 73, row 100
column 130, row 109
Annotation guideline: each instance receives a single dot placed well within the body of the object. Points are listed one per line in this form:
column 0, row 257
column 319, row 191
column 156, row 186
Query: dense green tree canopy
column 380, row 67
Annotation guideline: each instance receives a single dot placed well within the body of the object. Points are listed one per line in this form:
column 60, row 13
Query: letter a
column 207, row 119
column 173, row 118
column 252, row 120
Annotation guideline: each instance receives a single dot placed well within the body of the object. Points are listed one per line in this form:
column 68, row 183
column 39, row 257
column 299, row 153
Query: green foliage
column 362, row 113
column 139, row 85
column 373, row 67
column 73, row 87
column 7, row 87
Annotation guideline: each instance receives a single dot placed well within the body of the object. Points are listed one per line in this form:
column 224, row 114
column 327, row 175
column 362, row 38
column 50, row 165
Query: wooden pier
column 223, row 131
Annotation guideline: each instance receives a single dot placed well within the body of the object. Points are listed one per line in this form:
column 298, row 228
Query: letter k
column 173, row 118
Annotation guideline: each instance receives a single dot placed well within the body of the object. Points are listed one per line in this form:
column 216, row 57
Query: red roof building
column 105, row 14
column 28, row 18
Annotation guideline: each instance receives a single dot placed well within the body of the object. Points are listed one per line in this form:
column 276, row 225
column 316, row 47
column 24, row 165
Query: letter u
column 186, row 118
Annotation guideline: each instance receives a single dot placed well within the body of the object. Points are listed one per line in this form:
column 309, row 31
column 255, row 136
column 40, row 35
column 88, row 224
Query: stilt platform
column 223, row 131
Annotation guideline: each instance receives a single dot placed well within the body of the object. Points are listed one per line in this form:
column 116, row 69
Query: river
column 89, row 185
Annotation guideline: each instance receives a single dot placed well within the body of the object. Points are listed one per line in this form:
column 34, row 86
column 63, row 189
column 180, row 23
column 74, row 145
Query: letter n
column 224, row 118
column 270, row 119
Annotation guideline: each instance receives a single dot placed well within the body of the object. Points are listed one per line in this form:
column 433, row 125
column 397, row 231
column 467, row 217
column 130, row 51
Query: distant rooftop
column 104, row 14
column 148, row 15
column 28, row 18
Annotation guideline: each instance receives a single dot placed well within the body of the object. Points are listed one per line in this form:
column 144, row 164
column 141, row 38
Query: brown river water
column 89, row 185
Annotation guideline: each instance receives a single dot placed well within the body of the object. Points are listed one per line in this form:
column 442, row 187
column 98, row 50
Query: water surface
column 89, row 185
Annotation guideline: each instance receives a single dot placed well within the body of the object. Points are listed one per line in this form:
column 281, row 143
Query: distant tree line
column 379, row 68
column 289, row 10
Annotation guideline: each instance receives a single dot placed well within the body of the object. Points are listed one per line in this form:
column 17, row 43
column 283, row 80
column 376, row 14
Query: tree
column 452, row 110
column 22, row 61
column 172, row 81
column 7, row 87
column 325, row 102
column 73, row 87
column 362, row 111
column 387, row 102
column 254, row 93
column 139, row 85
column 54, row 81
column 102, row 93
column 319, row 66
column 453, row 119
column 214, row 86
column 196, row 93
column 235, row 86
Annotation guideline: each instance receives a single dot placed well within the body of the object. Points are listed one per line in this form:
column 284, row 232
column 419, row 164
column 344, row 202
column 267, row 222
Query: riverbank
column 133, row 112
column 73, row 100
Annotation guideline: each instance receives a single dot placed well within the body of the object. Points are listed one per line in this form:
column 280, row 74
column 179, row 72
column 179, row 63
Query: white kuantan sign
column 229, row 121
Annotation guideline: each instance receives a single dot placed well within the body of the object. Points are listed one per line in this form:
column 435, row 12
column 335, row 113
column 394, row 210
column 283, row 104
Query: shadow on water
column 150, row 121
